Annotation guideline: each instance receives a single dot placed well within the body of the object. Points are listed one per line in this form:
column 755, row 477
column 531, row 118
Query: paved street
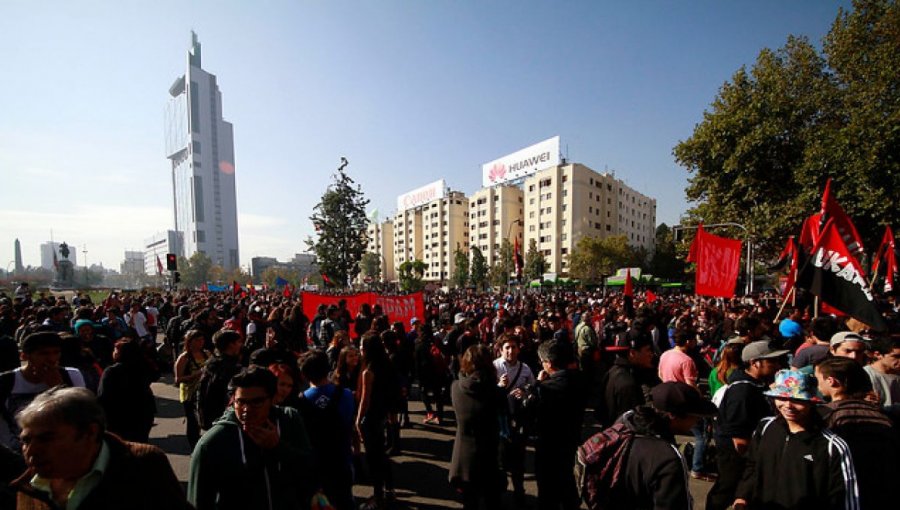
column 420, row 472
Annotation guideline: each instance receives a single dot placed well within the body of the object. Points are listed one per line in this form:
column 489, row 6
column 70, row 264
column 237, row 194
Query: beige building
column 496, row 214
column 381, row 243
column 431, row 232
column 566, row 202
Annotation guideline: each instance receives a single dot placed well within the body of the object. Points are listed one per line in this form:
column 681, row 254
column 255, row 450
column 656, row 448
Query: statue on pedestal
column 65, row 270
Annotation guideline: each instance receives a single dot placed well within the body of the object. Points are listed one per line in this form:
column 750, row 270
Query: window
column 196, row 147
column 608, row 228
column 531, row 201
column 531, row 188
column 531, row 214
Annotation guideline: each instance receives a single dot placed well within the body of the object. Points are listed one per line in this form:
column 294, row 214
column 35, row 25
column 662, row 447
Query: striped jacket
column 809, row 469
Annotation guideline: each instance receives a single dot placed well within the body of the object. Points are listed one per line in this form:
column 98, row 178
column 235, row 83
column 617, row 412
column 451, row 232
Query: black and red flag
column 517, row 260
column 885, row 264
column 788, row 258
column 835, row 275
column 327, row 281
column 831, row 210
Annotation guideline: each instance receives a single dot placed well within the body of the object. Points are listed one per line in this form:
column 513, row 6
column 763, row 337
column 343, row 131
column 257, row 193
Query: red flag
column 831, row 210
column 718, row 262
column 886, row 260
column 326, row 280
column 789, row 256
column 159, row 267
column 833, row 273
column 235, row 288
column 204, row 287
column 287, row 291
column 629, row 285
column 251, row 288
column 650, row 297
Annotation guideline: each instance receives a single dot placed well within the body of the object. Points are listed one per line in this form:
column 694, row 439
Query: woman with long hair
column 729, row 361
column 346, row 373
column 340, row 340
column 188, row 368
column 479, row 404
column 375, row 396
column 286, row 393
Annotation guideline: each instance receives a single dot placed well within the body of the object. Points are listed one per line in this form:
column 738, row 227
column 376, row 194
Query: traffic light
column 171, row 262
column 176, row 277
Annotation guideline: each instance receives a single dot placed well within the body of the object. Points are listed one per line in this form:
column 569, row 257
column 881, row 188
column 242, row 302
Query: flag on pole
column 651, row 297
column 833, row 273
column 517, row 260
column 235, row 288
column 326, row 280
column 886, row 260
column 159, row 267
column 287, row 291
column 829, row 210
column 629, row 285
column 788, row 258
column 718, row 261
column 280, row 282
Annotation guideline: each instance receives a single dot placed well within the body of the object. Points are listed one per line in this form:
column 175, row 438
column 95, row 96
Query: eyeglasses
column 250, row 402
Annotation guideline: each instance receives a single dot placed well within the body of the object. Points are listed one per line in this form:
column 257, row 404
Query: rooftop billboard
column 521, row 163
column 421, row 196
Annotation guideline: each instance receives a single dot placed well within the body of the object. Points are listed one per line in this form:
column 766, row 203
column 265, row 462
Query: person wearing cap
column 743, row 405
column 848, row 344
column 653, row 473
column 41, row 371
column 628, row 382
column 793, row 460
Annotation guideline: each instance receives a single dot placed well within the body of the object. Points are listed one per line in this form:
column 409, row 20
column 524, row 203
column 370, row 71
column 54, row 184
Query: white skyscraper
column 200, row 145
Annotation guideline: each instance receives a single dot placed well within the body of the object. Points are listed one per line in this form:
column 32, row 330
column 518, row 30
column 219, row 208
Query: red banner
column 397, row 308
column 718, row 262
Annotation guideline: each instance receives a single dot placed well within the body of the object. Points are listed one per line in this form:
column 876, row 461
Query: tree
column 370, row 265
column 593, row 258
column 410, row 275
column 271, row 274
column 503, row 265
column 774, row 134
column 479, row 268
column 461, row 269
column 196, row 270
column 340, row 221
column 535, row 263
column 666, row 263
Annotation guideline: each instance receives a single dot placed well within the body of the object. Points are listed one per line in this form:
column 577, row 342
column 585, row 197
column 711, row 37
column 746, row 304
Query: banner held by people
column 718, row 261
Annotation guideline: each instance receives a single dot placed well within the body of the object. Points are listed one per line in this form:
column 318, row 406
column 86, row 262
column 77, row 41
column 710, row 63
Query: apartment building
column 496, row 214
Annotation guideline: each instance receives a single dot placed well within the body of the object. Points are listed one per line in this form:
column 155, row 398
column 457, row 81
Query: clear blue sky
column 409, row 91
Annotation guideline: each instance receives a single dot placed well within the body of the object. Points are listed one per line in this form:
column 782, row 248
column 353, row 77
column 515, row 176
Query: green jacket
column 229, row 471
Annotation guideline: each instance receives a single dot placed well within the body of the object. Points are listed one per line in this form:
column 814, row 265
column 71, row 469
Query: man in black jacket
column 558, row 401
column 628, row 382
column 654, row 472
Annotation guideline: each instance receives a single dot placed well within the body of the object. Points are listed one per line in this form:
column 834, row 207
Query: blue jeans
column 700, row 440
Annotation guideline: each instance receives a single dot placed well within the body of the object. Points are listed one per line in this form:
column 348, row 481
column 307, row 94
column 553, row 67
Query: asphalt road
column 420, row 470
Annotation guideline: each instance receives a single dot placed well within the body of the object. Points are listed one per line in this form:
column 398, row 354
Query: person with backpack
column 515, row 378
column 40, row 371
column 212, row 390
column 125, row 394
column 177, row 327
column 635, row 464
column 328, row 413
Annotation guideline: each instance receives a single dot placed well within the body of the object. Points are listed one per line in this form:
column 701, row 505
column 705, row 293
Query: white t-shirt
column 23, row 392
column 526, row 377
column 139, row 322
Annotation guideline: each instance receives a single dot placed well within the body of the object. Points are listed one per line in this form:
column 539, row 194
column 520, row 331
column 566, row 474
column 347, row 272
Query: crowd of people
column 787, row 408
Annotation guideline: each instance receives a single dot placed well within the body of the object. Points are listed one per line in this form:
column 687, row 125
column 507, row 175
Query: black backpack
column 212, row 390
column 325, row 428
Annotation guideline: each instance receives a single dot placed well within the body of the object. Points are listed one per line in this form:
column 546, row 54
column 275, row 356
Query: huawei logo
column 498, row 172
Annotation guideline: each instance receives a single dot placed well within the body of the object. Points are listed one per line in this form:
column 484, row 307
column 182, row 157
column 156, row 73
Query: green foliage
column 370, row 265
column 504, row 265
column 479, row 268
column 593, row 258
column 666, row 263
column 195, row 271
column 461, row 268
column 774, row 134
column 535, row 263
column 340, row 220
column 410, row 275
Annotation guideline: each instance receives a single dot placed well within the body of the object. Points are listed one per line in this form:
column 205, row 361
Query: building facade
column 495, row 215
column 566, row 202
column 133, row 265
column 158, row 246
column 381, row 243
column 200, row 147
column 431, row 232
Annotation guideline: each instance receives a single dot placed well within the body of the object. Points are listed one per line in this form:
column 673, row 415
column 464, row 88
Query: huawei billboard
column 521, row 163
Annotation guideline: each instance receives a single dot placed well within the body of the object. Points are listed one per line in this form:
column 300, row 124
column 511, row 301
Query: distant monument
column 20, row 268
column 65, row 270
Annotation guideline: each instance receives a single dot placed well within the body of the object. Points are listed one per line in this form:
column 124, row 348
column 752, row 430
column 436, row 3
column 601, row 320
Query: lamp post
column 517, row 221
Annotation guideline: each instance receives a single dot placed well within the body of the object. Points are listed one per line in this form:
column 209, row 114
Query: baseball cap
column 760, row 349
column 459, row 318
column 681, row 399
column 846, row 336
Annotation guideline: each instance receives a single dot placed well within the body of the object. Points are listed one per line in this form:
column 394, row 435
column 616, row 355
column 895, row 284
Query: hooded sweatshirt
column 229, row 471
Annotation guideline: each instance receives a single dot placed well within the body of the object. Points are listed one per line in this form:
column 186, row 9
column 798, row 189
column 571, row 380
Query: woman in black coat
column 480, row 407
column 125, row 393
